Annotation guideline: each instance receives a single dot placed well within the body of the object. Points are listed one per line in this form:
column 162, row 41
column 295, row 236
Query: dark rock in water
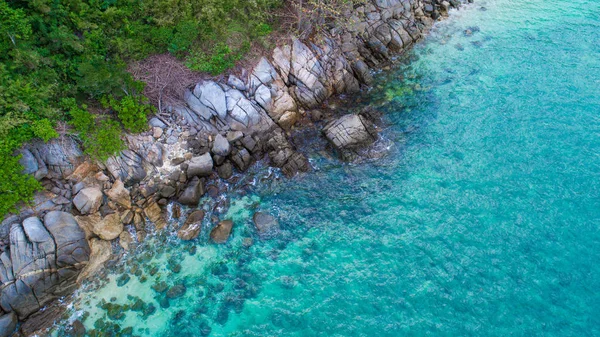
column 149, row 310
column 8, row 323
column 176, row 291
column 192, row 226
column 205, row 329
column 265, row 223
column 221, row 232
column 349, row 133
column 122, row 280
column 220, row 269
column 164, row 303
column 222, row 315
column 78, row 329
column 192, row 193
column 128, row 331
column 160, row 287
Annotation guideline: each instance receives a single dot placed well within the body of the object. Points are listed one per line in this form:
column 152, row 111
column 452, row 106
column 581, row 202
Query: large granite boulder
column 109, row 228
column 56, row 158
column 200, row 166
column 350, row 133
column 42, row 262
column 88, row 200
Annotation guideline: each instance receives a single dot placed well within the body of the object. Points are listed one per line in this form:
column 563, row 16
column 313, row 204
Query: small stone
column 157, row 132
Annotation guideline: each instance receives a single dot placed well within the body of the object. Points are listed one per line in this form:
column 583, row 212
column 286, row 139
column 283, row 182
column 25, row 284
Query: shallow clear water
column 482, row 220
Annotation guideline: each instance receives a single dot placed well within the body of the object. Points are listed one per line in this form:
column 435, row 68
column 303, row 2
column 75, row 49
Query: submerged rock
column 221, row 232
column 265, row 223
column 176, row 291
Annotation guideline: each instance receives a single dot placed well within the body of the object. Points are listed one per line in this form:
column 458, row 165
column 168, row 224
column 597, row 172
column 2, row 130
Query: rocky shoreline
column 224, row 127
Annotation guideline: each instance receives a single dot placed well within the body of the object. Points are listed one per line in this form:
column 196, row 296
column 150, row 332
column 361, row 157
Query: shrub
column 132, row 111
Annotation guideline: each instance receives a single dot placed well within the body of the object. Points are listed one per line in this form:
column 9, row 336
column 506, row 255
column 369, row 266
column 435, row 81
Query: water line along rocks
column 219, row 127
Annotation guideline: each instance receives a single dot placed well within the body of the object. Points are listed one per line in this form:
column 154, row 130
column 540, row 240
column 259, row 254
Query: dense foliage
column 57, row 57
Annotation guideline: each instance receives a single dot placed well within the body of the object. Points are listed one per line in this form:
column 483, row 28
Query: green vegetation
column 59, row 57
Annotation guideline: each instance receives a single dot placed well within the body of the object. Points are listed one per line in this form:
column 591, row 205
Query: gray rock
column 200, row 166
column 212, row 96
column 235, row 82
column 127, row 166
column 155, row 122
column 265, row 223
column 192, row 193
column 56, row 158
column 30, row 164
column 221, row 146
column 42, row 262
column 225, row 171
column 242, row 159
column 88, row 200
column 349, row 133
column 8, row 323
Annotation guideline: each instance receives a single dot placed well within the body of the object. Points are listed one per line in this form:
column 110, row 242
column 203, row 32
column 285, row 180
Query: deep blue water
column 482, row 220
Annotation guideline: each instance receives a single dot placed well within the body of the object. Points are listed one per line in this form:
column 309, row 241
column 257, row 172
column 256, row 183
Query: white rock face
column 212, row 96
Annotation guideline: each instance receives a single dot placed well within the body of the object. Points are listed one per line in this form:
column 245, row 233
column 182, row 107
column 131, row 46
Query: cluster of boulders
column 219, row 128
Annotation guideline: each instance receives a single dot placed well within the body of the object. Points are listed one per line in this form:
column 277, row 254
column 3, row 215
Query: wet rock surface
column 221, row 232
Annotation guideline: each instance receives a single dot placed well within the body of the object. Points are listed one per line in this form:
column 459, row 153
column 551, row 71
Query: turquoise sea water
column 482, row 220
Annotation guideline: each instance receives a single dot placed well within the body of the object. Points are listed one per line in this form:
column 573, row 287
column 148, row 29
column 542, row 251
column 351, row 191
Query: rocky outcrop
column 219, row 128
column 349, row 133
column 42, row 262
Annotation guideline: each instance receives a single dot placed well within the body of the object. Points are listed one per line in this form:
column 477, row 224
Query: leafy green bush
column 132, row 111
column 101, row 136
